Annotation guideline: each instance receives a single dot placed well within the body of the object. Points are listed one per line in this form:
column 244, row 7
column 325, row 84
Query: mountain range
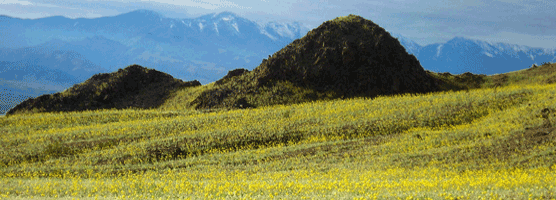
column 460, row 55
column 68, row 51
column 203, row 48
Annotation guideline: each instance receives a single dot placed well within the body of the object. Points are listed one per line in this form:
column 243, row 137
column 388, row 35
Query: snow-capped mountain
column 409, row 45
column 225, row 23
column 147, row 24
column 293, row 30
column 460, row 55
column 202, row 48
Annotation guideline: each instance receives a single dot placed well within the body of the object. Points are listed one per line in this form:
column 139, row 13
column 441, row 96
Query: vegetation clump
column 465, row 81
column 345, row 57
column 546, row 114
column 132, row 87
column 235, row 72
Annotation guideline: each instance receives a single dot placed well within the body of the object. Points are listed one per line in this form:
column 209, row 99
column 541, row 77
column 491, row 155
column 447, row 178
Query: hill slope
column 134, row 86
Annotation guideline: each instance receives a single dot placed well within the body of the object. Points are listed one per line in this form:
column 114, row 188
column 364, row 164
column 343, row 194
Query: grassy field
column 495, row 141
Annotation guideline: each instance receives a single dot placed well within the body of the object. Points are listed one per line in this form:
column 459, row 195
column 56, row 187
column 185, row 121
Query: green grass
column 488, row 140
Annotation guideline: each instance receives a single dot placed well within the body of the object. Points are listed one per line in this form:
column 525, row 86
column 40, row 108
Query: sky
column 524, row 22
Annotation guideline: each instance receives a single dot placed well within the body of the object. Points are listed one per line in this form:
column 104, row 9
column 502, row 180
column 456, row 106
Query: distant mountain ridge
column 460, row 55
column 202, row 48
column 64, row 61
column 206, row 47
column 145, row 22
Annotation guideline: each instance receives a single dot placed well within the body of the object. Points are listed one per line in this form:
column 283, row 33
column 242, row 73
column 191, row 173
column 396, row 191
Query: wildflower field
column 487, row 143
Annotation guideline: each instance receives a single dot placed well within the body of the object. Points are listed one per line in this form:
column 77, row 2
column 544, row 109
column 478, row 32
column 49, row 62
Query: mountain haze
column 30, row 72
column 460, row 55
column 66, row 62
column 202, row 48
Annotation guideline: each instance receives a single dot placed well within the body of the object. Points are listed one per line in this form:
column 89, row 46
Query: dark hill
column 132, row 87
column 345, row 57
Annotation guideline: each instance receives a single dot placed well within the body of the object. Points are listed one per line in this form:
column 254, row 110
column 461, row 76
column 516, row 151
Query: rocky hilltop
column 132, row 87
column 345, row 57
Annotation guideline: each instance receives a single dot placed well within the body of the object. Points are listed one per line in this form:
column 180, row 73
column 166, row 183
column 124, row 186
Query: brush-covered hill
column 132, row 87
column 345, row 57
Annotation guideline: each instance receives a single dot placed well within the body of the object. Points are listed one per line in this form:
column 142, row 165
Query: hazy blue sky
column 525, row 22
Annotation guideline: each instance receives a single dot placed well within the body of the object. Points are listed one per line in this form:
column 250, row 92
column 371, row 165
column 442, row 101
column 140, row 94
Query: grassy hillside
column 494, row 139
